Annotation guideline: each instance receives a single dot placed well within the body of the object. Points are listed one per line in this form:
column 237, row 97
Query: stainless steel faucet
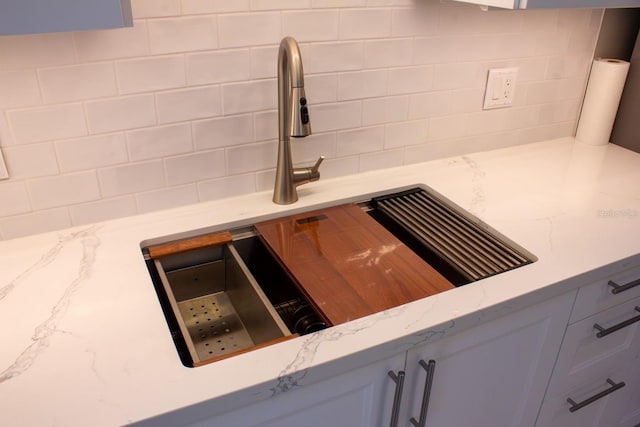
column 293, row 120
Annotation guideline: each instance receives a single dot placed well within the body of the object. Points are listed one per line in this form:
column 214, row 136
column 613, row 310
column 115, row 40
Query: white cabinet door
column 613, row 405
column 45, row 16
column 360, row 398
column 591, row 371
column 492, row 375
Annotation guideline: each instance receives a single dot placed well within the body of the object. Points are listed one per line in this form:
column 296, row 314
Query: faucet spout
column 293, row 120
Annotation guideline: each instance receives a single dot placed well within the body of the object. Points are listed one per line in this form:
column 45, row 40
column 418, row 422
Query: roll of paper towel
column 601, row 100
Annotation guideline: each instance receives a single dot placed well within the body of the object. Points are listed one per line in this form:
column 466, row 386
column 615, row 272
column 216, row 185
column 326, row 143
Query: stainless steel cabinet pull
column 395, row 411
column 575, row 406
column 621, row 288
column 430, row 368
column 604, row 332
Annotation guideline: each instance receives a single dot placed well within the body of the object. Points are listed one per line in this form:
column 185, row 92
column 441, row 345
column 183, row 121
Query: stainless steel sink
column 224, row 293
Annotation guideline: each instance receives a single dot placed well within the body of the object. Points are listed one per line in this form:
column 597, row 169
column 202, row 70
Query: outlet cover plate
column 501, row 87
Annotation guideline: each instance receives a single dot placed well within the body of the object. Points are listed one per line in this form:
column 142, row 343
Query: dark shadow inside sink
column 280, row 289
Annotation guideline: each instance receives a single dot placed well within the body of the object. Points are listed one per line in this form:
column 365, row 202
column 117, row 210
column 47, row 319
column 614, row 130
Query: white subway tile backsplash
column 222, row 132
column 218, row 66
column 410, row 80
column 167, row 198
column 264, row 61
column 124, row 113
column 468, row 100
column 306, row 151
column 459, row 76
column 228, row 186
column 388, row 53
column 321, row 88
column 419, row 21
column 265, row 180
column 12, row 227
column 564, row 111
column 404, row 134
column 103, row 210
column 333, row 57
column 551, row 43
column 63, row 190
column 188, row 104
column 567, row 66
column 31, row 160
column 195, row 167
column 381, row 160
column 362, row 84
column 170, row 35
column 541, row 133
column 78, row 82
column 577, row 19
column 19, row 89
column 365, row 23
column 332, row 168
column 279, row 4
column 251, row 29
column 429, row 104
column 36, row 51
column 311, row 25
column 337, row 3
column 384, row 110
column 15, row 198
column 155, row 8
column 328, row 117
column 151, row 74
column 500, row 120
column 251, row 157
column 182, row 106
column 364, row 140
column 112, row 44
column 91, row 152
column 131, row 178
column 53, row 122
column 213, row 6
column 251, row 96
column 157, row 142
column 554, row 90
column 447, row 127
column 266, row 125
column 436, row 50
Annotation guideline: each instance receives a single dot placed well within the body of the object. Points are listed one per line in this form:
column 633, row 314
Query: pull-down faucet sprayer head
column 299, row 120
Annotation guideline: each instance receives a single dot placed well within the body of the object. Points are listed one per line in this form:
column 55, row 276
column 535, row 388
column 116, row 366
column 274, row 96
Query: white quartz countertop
column 84, row 340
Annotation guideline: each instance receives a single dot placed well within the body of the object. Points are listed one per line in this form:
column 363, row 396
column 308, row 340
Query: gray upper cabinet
column 48, row 16
column 554, row 4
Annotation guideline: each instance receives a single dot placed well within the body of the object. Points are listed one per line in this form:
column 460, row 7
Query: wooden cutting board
column 347, row 264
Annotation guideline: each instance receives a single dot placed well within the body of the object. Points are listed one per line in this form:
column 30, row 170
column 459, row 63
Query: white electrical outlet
column 4, row 173
column 501, row 87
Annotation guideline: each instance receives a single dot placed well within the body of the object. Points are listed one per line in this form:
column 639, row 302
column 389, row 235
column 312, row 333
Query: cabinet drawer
column 613, row 406
column 598, row 295
column 585, row 356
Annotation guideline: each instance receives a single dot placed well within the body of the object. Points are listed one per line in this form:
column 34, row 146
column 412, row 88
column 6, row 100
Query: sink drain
column 214, row 327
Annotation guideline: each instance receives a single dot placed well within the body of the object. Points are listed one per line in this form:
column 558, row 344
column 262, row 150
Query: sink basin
column 212, row 300
column 224, row 293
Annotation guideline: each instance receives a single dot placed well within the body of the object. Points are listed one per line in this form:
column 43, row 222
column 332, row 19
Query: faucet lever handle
column 314, row 168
